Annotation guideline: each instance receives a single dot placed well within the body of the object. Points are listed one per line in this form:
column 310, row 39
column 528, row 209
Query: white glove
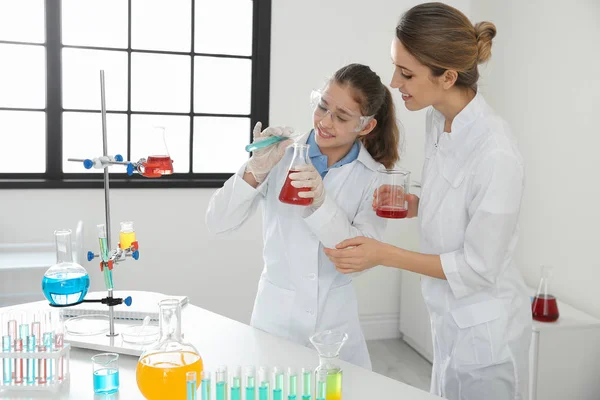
column 309, row 177
column 263, row 160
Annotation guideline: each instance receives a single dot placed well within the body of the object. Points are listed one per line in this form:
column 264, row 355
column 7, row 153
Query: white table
column 223, row 341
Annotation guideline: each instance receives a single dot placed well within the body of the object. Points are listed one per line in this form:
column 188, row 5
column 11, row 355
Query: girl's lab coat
column 480, row 315
column 300, row 292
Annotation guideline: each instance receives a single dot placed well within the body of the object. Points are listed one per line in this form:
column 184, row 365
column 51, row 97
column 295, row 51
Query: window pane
column 161, row 25
column 81, row 79
column 160, row 82
column 95, row 23
column 223, row 27
column 177, row 136
column 222, row 85
column 82, row 138
column 219, row 144
column 23, row 141
column 22, row 76
column 22, row 20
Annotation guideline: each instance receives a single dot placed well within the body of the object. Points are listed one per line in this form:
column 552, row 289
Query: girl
column 300, row 292
column 469, row 208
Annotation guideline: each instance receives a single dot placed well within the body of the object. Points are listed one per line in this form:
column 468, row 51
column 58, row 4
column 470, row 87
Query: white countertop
column 223, row 341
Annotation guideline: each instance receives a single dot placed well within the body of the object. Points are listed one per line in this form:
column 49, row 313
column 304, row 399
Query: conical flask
column 162, row 369
column 544, row 307
column 289, row 194
column 328, row 344
column 66, row 282
column 159, row 162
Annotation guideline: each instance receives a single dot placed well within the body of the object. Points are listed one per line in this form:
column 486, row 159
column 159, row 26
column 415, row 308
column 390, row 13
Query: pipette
column 236, row 383
column 250, row 385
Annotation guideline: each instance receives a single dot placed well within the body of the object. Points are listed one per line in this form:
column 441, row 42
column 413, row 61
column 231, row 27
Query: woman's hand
column 388, row 195
column 356, row 254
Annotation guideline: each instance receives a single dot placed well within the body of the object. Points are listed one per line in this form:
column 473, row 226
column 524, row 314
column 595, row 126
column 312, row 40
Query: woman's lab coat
column 300, row 292
column 470, row 201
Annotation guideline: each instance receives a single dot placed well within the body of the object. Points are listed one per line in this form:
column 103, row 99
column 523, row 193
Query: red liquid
column 289, row 194
column 157, row 166
column 391, row 212
column 544, row 308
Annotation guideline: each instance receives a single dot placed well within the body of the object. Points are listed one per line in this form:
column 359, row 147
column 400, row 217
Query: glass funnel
column 544, row 307
column 328, row 344
column 289, row 194
column 66, row 282
column 162, row 369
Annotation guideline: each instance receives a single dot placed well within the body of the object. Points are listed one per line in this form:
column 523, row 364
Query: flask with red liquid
column 159, row 163
column 289, row 194
column 391, row 194
column 544, row 307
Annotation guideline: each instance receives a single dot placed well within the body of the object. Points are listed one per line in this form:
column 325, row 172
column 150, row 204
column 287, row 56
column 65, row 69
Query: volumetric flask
column 289, row 194
column 391, row 194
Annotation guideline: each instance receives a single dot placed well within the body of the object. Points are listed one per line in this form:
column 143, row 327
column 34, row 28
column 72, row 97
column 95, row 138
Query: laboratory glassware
column 328, row 344
column 106, row 373
column 290, row 194
column 391, row 194
column 544, row 307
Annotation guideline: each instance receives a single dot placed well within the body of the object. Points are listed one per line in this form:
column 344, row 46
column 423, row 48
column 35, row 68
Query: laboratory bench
column 223, row 341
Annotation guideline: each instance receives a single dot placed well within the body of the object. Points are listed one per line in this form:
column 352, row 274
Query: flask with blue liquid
column 66, row 282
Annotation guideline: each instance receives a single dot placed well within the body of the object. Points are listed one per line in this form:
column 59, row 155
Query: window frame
column 55, row 178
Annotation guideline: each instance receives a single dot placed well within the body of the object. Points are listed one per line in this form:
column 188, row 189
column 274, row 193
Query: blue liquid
column 277, row 394
column 236, row 394
column 221, row 390
column 263, row 393
column 306, row 397
column 65, row 288
column 290, row 397
column 250, row 393
column 191, row 390
column 106, row 381
column 7, row 362
column 205, row 387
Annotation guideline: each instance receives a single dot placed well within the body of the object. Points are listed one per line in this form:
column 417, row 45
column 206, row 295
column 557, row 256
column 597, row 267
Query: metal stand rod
column 111, row 311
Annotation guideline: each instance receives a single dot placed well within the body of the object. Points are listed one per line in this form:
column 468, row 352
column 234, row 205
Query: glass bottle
column 329, row 373
column 126, row 235
column 544, row 307
column 66, row 282
column 289, row 194
column 161, row 370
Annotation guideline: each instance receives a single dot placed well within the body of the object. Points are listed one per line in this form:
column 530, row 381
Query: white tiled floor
column 397, row 360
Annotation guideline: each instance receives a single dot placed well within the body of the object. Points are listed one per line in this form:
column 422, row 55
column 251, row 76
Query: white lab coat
column 300, row 292
column 470, row 201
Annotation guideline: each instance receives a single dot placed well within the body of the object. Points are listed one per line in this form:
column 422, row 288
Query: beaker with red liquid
column 544, row 307
column 391, row 193
column 289, row 194
column 157, row 166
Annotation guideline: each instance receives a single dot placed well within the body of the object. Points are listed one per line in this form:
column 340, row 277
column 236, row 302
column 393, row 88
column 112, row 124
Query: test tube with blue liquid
column 277, row 383
column 263, row 388
column 236, row 383
column 106, row 373
column 105, row 255
column 292, row 383
column 7, row 363
column 191, row 389
column 306, row 383
column 205, row 385
column 321, row 391
column 250, row 373
column 221, row 383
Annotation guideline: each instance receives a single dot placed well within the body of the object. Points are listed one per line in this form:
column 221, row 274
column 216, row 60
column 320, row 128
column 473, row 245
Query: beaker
column 159, row 163
column 106, row 373
column 66, row 282
column 544, row 307
column 289, row 194
column 126, row 235
column 162, row 369
column 329, row 373
column 391, row 194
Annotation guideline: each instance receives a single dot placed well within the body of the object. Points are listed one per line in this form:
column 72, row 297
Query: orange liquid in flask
column 157, row 166
column 162, row 376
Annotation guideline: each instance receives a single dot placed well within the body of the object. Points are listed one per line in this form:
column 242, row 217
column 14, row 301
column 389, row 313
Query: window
column 199, row 68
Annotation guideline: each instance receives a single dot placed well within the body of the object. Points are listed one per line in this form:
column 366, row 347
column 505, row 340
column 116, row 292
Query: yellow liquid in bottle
column 334, row 385
column 125, row 239
column 161, row 376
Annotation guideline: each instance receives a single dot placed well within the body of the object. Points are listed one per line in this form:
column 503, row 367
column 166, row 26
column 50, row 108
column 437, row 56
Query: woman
column 469, row 207
column 300, row 292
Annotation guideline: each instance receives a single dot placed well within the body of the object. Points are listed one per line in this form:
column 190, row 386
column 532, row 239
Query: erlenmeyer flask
column 328, row 344
column 289, row 194
column 66, row 282
column 544, row 306
column 159, row 162
column 162, row 369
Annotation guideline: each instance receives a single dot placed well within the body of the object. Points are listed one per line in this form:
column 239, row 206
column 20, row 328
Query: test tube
column 263, row 389
column 7, row 362
column 12, row 333
column 277, row 383
column 31, row 345
column 221, row 379
column 292, row 383
column 48, row 344
column 250, row 372
column 42, row 366
column 306, row 386
column 205, row 385
column 321, row 392
column 190, row 378
column 236, row 383
column 59, row 337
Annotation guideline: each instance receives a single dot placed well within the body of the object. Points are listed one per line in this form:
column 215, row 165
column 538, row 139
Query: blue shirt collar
column 319, row 160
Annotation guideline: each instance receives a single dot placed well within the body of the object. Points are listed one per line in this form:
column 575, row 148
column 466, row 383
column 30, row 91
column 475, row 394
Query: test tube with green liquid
column 277, row 383
column 249, row 373
column 205, row 385
column 236, row 383
column 306, row 383
column 263, row 380
column 321, row 391
column 221, row 379
column 105, row 255
column 292, row 383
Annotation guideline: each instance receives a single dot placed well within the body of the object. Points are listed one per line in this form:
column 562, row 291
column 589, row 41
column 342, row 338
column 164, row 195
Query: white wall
column 310, row 40
column 544, row 79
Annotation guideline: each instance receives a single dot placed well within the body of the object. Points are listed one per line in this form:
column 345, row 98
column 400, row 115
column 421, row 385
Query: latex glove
column 308, row 177
column 263, row 160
